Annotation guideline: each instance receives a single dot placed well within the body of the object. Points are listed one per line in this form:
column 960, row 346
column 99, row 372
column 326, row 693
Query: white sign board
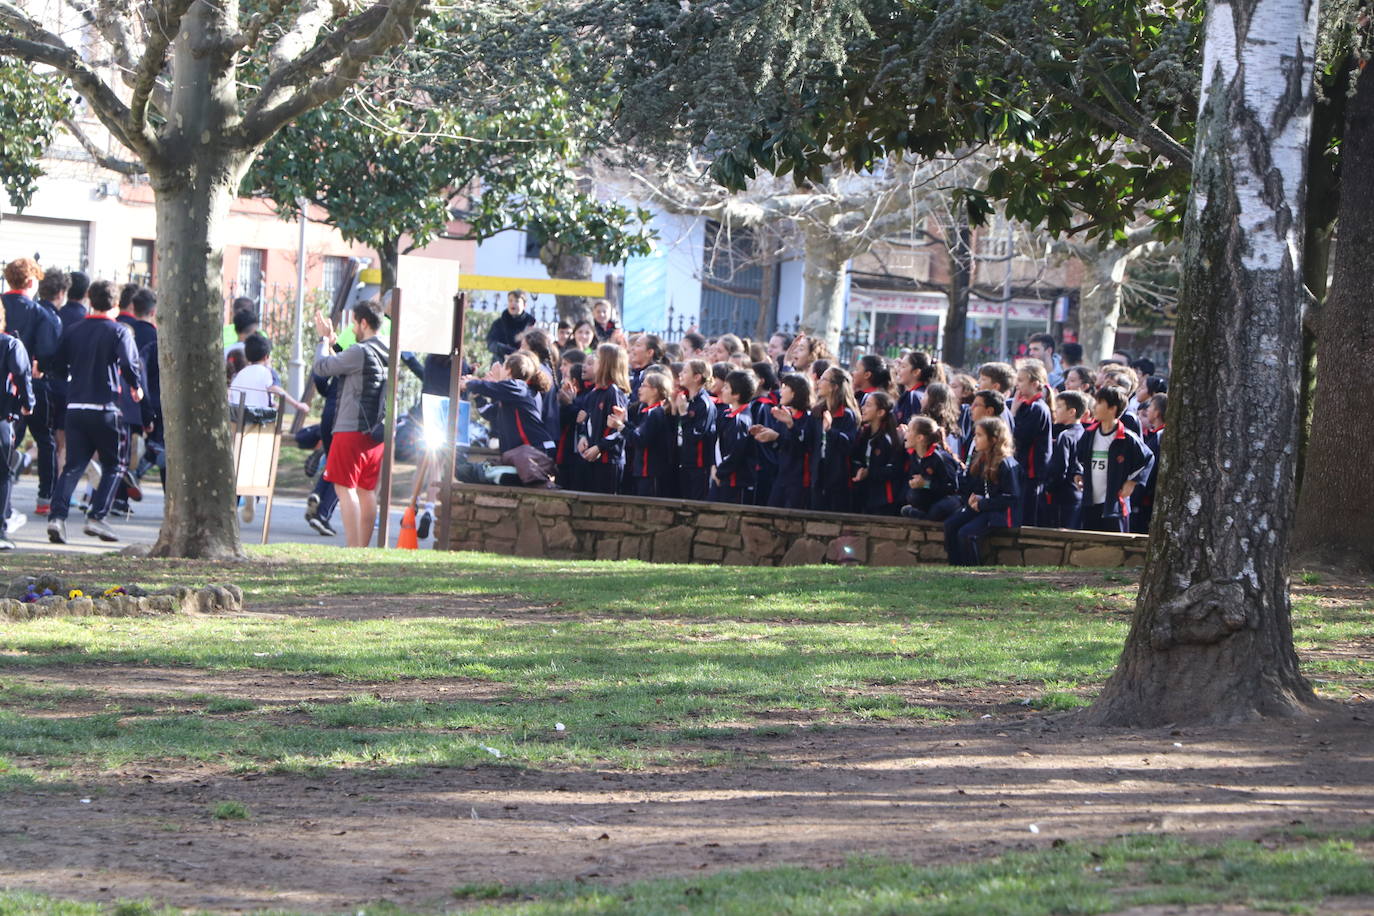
column 427, row 286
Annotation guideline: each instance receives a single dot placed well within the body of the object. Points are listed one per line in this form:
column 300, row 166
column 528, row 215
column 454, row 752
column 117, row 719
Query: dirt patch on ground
column 933, row 793
column 132, row 683
column 379, row 607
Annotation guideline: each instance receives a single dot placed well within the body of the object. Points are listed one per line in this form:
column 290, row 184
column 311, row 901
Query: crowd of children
column 781, row 424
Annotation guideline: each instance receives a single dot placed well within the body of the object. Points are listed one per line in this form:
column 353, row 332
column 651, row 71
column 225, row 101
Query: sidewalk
column 288, row 523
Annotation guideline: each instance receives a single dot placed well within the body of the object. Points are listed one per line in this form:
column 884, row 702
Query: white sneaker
column 97, row 528
column 16, row 521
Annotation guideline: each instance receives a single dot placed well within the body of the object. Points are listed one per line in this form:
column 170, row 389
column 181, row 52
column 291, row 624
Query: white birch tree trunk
column 1212, row 640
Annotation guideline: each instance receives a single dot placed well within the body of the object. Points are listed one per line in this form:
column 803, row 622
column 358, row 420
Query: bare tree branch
column 349, row 47
column 163, row 24
column 102, row 159
column 30, row 41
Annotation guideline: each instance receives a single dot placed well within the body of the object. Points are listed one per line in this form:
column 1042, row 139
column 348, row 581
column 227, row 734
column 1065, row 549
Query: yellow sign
column 554, row 287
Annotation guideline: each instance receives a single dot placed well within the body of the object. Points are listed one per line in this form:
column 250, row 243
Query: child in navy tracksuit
column 933, row 473
column 765, row 454
column 696, row 431
column 1061, row 502
column 788, row 426
column 516, row 390
column 1108, row 465
column 16, row 399
column 1143, row 499
column 732, row 477
column 914, row 373
column 571, row 401
column 879, row 457
column 991, row 492
column 652, row 436
column 602, row 448
column 1033, row 434
column 835, row 424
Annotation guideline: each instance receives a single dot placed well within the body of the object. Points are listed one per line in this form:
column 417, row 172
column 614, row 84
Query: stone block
column 1044, row 556
column 711, row 520
column 787, row 526
column 886, row 553
column 1099, row 557
column 823, row 529
column 673, row 545
column 658, row 517
column 1002, row 555
column 608, row 549
column 552, row 507
column 496, row 502
column 487, row 516
column 883, row 532
column 530, row 543
column 705, row 553
column 506, row 529
column 933, row 552
column 804, row 552
column 759, row 542
column 559, row 536
column 847, row 549
column 718, row 538
column 14, row 609
column 608, row 525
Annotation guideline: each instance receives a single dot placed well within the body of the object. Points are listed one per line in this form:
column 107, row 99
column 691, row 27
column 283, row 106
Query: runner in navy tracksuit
column 1033, row 434
column 516, row 391
column 97, row 355
column 991, row 493
column 788, row 426
column 732, row 477
column 1061, row 502
column 836, row 428
column 696, row 431
column 880, row 458
column 601, row 447
column 1109, row 463
column 932, row 491
column 31, row 316
column 651, row 439
column 16, row 400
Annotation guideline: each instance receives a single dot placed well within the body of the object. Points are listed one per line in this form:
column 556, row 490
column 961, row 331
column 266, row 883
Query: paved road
column 288, row 523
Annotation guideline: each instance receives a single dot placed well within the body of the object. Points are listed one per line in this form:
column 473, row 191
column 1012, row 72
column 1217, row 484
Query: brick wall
column 563, row 525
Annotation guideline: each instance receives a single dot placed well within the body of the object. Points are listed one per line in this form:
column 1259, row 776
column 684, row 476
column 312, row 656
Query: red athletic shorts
column 355, row 461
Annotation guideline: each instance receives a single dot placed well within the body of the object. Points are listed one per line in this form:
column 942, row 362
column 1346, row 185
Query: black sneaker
column 312, row 506
column 322, row 526
column 423, row 524
column 313, row 462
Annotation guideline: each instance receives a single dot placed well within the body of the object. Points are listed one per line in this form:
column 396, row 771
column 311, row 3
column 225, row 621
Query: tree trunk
column 959, row 239
column 823, row 275
column 390, row 254
column 1335, row 521
column 563, row 265
column 1212, row 638
column 768, row 291
column 1099, row 307
column 199, row 517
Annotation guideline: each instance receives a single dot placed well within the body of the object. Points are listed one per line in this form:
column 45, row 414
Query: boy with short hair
column 1109, row 463
column 1062, row 502
column 1000, row 377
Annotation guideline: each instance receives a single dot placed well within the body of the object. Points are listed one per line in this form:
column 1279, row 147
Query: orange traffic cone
column 407, row 539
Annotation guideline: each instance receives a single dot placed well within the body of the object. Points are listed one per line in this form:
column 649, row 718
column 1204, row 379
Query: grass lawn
column 1286, row 874
column 639, row 663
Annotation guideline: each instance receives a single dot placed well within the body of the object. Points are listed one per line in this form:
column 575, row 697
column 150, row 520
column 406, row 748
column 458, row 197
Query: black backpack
column 372, row 409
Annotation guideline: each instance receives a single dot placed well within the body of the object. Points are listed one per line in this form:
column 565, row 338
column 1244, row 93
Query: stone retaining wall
column 564, row 525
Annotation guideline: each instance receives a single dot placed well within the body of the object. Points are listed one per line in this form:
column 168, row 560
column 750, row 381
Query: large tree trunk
column 390, row 254
column 1212, row 637
column 1099, row 307
column 959, row 241
column 1335, row 521
column 193, row 190
column 564, row 265
column 823, row 275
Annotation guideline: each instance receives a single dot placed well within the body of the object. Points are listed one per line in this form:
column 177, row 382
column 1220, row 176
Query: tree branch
column 30, row 41
column 104, row 160
column 356, row 41
column 164, row 22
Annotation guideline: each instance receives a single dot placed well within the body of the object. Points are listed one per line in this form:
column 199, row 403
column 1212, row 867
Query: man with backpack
column 355, row 454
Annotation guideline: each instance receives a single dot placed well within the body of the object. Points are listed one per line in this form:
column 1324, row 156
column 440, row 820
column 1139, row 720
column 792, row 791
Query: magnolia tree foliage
column 31, row 105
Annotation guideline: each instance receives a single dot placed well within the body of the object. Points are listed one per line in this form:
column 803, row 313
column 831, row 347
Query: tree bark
column 959, row 241
column 564, row 265
column 1211, row 640
column 1335, row 521
column 1099, row 308
column 390, row 254
column 823, row 273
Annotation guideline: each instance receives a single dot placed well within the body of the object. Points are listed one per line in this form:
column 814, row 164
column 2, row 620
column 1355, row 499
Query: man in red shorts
column 355, row 455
